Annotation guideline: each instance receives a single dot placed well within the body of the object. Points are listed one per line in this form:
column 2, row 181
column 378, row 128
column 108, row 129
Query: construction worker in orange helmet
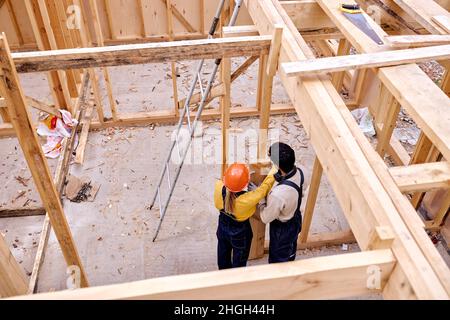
column 236, row 205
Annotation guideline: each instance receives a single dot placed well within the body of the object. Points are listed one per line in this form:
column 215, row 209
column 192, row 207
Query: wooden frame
column 383, row 222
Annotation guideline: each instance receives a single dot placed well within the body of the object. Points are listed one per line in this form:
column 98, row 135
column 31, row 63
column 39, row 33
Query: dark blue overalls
column 234, row 239
column 284, row 235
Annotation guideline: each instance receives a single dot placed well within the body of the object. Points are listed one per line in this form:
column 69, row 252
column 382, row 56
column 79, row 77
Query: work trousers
column 234, row 242
column 283, row 239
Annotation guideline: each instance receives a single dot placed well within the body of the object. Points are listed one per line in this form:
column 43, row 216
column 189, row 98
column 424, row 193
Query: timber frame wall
column 379, row 202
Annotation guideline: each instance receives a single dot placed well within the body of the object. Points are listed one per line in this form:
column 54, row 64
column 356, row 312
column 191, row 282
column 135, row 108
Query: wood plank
column 442, row 21
column 60, row 177
column 39, row 105
column 168, row 117
column 141, row 53
column 329, row 277
column 410, row 41
column 267, row 89
column 12, row 277
column 311, row 200
column 21, row 212
column 40, row 171
column 366, row 61
column 422, row 177
column 307, row 15
column 423, row 11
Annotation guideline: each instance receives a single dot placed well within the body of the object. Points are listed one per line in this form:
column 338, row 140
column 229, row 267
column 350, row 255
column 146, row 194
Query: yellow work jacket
column 245, row 205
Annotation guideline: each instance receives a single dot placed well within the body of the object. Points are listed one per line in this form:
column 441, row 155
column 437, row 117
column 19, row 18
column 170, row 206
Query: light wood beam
column 422, row 177
column 141, row 53
column 329, row 277
column 40, row 171
column 366, row 61
column 311, row 200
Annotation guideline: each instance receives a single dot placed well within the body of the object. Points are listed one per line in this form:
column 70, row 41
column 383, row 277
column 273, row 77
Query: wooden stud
column 311, row 200
column 338, row 78
column 27, row 136
column 60, row 177
column 391, row 109
column 100, row 42
column 271, row 69
column 382, row 237
column 58, row 90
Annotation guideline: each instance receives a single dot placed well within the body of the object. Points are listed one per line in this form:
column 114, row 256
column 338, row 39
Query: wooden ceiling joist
column 141, row 53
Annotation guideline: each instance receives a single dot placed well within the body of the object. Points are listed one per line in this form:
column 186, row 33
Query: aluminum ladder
column 191, row 125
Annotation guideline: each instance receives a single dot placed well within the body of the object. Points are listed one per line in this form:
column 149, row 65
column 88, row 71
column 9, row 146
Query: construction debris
column 81, row 189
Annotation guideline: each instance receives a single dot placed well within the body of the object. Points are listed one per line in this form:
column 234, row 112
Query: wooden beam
column 12, row 277
column 267, row 87
column 329, row 277
column 169, row 117
column 307, row 15
column 387, row 114
column 366, row 61
column 50, row 109
column 411, row 41
column 442, row 21
column 60, row 177
column 21, row 212
column 422, row 177
column 141, row 53
column 100, row 43
column 311, row 200
column 40, row 171
column 423, row 12
column 406, row 218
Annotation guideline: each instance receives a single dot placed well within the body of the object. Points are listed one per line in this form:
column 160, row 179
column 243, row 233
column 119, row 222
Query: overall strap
column 296, row 187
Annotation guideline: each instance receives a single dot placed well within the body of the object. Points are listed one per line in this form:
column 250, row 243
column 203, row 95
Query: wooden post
column 173, row 65
column 40, row 171
column 12, row 278
column 387, row 114
column 59, row 90
column 338, row 78
column 311, row 200
column 272, row 66
column 100, row 42
column 225, row 105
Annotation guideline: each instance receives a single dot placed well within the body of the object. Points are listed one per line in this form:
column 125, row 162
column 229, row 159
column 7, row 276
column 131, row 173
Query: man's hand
column 273, row 170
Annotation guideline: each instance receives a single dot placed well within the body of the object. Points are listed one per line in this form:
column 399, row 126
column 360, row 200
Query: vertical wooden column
column 386, row 119
column 58, row 87
column 86, row 40
column 272, row 66
column 338, row 77
column 173, row 65
column 26, row 133
column 100, row 42
column 12, row 278
column 225, row 105
column 311, row 200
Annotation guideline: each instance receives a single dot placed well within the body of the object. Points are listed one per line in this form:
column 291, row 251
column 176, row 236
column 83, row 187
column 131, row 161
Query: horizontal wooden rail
column 417, row 40
column 422, row 177
column 365, row 61
column 336, row 276
column 39, row 61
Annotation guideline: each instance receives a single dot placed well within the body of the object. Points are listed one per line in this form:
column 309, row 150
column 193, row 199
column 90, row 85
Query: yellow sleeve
column 246, row 204
column 218, row 200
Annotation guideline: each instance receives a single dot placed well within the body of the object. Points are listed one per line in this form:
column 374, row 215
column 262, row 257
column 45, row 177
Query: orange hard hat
column 236, row 177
